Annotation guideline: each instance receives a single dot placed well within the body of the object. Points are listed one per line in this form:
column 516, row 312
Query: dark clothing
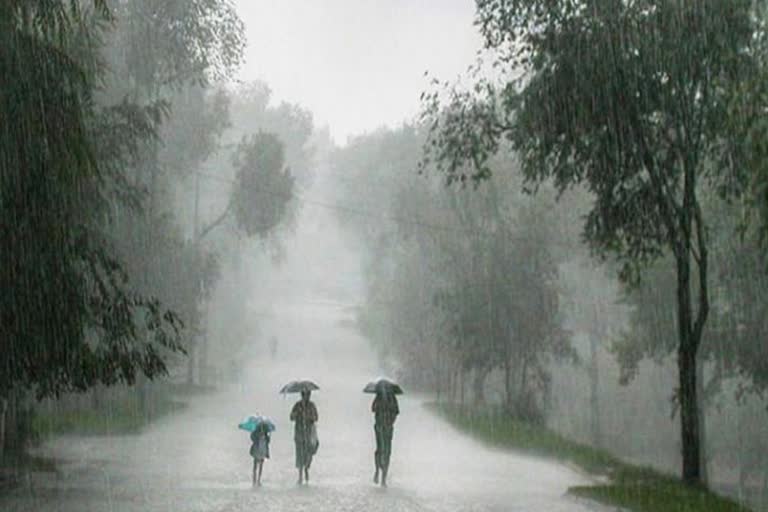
column 384, row 435
column 304, row 414
column 306, row 448
column 385, row 410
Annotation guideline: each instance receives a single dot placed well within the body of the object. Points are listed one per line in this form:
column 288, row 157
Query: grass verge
column 115, row 418
column 634, row 488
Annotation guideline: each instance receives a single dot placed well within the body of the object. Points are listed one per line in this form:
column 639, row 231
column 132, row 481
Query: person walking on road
column 385, row 410
column 304, row 416
column 259, row 450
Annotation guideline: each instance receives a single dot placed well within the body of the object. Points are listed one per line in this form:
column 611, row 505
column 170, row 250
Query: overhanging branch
column 215, row 223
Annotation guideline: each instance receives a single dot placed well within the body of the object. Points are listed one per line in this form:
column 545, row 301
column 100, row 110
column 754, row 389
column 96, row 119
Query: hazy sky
column 356, row 64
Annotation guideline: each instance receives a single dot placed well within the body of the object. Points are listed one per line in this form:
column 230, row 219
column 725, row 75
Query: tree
column 748, row 123
column 70, row 318
column 259, row 201
column 253, row 112
column 262, row 190
column 459, row 282
column 166, row 53
column 264, row 185
column 164, row 44
column 628, row 99
column 250, row 113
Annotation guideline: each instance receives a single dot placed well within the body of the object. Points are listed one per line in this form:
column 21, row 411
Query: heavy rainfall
column 441, row 255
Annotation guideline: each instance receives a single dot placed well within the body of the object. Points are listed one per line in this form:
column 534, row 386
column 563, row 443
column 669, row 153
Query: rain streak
column 356, row 255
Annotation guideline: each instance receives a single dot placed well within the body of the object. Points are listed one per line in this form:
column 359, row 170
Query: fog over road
column 197, row 460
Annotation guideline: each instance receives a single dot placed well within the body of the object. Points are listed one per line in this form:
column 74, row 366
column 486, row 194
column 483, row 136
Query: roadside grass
column 122, row 416
column 15, row 464
column 639, row 489
column 114, row 418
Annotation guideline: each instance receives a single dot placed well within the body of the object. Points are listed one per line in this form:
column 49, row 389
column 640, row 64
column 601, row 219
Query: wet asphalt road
column 197, row 460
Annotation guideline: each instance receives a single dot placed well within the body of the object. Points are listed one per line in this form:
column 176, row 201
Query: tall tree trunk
column 97, row 393
column 203, row 370
column 764, row 490
column 144, row 396
column 191, row 363
column 479, row 385
column 11, row 432
column 192, row 353
column 686, row 363
column 740, row 451
column 690, row 242
column 202, row 352
column 3, row 410
column 703, row 455
column 508, row 383
column 438, row 373
column 454, row 386
column 594, row 382
column 523, row 380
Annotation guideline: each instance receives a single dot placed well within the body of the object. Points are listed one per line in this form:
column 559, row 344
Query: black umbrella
column 297, row 386
column 383, row 385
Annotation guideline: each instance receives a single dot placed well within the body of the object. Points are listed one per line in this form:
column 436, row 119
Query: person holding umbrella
column 259, row 450
column 385, row 410
column 260, row 428
column 304, row 416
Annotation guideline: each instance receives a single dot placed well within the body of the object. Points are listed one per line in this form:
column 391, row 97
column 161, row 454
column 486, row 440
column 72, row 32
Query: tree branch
column 703, row 312
column 215, row 223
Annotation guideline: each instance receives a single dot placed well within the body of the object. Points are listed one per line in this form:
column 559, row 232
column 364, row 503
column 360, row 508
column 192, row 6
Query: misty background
column 252, row 174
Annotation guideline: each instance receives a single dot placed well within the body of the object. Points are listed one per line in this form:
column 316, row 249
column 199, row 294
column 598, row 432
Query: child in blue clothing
column 259, row 450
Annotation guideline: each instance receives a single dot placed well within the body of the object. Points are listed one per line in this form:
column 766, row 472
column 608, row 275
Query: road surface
column 197, row 460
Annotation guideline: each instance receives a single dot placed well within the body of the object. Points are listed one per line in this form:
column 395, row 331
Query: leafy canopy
column 624, row 98
column 68, row 317
column 264, row 187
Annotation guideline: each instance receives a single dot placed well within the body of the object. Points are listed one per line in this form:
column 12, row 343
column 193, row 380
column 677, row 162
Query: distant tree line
column 461, row 284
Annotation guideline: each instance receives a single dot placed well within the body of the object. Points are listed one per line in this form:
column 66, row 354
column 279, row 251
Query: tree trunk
column 144, row 396
column 479, row 385
column 192, row 356
column 594, row 382
column 508, row 383
column 454, row 389
column 739, row 434
column 191, row 362
column 438, row 374
column 11, row 432
column 3, row 410
column 202, row 352
column 764, row 490
column 686, row 363
column 702, row 420
column 523, row 379
column 203, row 376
